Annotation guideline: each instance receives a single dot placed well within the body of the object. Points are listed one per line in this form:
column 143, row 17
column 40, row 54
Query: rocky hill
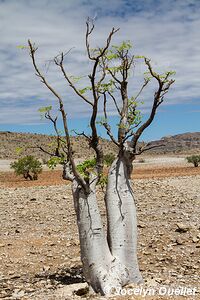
column 29, row 143
column 10, row 141
column 180, row 143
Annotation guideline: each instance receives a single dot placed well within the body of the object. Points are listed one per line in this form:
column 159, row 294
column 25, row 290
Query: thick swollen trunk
column 121, row 218
column 101, row 270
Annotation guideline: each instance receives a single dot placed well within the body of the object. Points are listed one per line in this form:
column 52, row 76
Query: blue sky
column 165, row 31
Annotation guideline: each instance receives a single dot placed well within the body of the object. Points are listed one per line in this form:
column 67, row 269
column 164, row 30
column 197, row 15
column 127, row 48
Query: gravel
column 39, row 246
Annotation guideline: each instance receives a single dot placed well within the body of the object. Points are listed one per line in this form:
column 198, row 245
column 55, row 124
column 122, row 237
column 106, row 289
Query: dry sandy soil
column 39, row 247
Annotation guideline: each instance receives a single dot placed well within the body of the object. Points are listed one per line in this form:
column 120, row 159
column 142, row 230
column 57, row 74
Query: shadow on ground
column 64, row 276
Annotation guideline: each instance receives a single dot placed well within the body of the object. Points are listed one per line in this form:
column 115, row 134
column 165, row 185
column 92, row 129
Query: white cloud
column 167, row 32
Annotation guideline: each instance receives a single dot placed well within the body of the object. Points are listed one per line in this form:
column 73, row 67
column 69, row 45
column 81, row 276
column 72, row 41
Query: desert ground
column 39, row 246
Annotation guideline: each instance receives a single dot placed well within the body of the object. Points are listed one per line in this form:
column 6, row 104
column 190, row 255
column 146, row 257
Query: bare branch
column 82, row 134
column 153, row 74
column 106, row 125
column 43, row 150
column 132, row 133
column 115, row 102
column 97, row 61
column 64, row 116
column 89, row 30
column 113, row 76
column 142, row 88
column 59, row 62
column 54, row 121
column 163, row 87
column 146, row 148
column 38, row 73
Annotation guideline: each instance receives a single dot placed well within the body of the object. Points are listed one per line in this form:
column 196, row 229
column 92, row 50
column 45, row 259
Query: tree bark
column 27, row 175
column 101, row 269
column 121, row 217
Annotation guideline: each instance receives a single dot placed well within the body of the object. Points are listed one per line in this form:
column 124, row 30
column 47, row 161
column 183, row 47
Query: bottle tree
column 109, row 257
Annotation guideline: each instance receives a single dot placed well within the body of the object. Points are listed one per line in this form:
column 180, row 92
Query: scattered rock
column 70, row 290
column 33, row 199
column 17, row 294
column 182, row 227
column 180, row 241
column 54, row 239
column 141, row 225
column 195, row 239
column 46, row 268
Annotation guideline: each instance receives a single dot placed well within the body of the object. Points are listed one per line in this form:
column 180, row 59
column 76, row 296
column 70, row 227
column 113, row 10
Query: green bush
column 28, row 166
column 108, row 159
column 194, row 159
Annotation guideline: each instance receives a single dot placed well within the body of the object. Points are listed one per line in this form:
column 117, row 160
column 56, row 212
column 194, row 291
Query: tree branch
column 163, row 87
column 115, row 102
column 106, row 125
column 97, row 60
column 60, row 64
column 142, row 88
column 146, row 148
column 64, row 116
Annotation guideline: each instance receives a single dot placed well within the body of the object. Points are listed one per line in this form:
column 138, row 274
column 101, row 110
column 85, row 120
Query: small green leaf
column 84, row 90
column 139, row 56
column 22, row 47
column 45, row 109
column 19, row 150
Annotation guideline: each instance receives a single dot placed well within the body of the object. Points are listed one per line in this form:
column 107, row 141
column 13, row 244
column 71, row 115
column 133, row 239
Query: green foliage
column 115, row 54
column 75, row 79
column 134, row 115
column 194, row 159
column 44, row 110
column 108, row 159
column 19, row 150
column 116, row 69
column 139, row 56
column 22, row 47
column 54, row 161
column 124, row 46
column 28, row 166
column 168, row 74
column 106, row 87
column 103, row 180
column 147, row 76
column 86, row 167
column 95, row 51
column 101, row 121
column 84, row 90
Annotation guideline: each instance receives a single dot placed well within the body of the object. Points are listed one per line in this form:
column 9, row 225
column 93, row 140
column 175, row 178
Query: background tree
column 109, row 258
column 28, row 166
column 194, row 159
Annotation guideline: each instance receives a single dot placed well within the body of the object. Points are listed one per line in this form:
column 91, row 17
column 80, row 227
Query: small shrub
column 194, row 159
column 108, row 159
column 28, row 166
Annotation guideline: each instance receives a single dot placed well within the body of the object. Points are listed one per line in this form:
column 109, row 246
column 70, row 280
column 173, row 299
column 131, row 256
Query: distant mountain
column 177, row 144
column 181, row 143
column 10, row 141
